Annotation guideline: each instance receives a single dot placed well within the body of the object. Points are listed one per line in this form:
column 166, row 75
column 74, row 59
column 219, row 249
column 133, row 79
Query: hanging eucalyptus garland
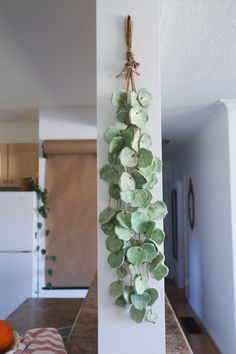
column 133, row 239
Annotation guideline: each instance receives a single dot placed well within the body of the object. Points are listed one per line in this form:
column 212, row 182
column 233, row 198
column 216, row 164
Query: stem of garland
column 131, row 66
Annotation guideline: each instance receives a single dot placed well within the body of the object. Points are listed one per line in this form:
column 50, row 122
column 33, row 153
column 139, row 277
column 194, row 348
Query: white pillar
column 117, row 333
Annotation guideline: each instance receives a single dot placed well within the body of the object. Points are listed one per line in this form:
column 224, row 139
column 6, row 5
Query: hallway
column 200, row 343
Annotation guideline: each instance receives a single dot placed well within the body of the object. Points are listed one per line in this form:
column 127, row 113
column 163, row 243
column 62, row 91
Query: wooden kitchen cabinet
column 21, row 161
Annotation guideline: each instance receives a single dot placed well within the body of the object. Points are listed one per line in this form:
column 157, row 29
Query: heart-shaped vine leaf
column 113, row 243
column 106, row 215
column 124, row 218
column 123, row 116
column 128, row 135
column 156, row 262
column 137, row 315
column 123, row 233
column 158, row 211
column 111, row 133
column 121, row 272
column 141, row 284
column 134, row 100
column 116, row 144
column 151, row 181
column 108, row 228
column 151, row 316
column 116, row 259
column 139, row 222
column 126, row 182
column 150, row 229
column 126, row 196
column 145, row 141
column 157, row 164
column 140, row 301
column 153, row 294
column 144, row 97
column 151, row 251
column 116, row 288
column 160, row 272
column 140, row 179
column 145, row 158
column 120, row 301
column 121, row 126
column 136, row 255
column 119, row 98
column 108, row 174
column 140, row 198
column 128, row 157
column 135, row 141
column 138, row 117
column 158, row 236
column 114, row 191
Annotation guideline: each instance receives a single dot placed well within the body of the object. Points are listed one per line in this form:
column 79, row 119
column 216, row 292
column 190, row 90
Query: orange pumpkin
column 6, row 336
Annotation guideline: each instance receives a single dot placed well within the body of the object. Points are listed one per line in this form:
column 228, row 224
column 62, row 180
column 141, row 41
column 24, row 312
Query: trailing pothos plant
column 129, row 221
column 42, row 210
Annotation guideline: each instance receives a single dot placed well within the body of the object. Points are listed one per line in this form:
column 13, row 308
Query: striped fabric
column 41, row 341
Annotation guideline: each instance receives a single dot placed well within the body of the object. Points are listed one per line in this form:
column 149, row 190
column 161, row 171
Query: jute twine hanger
column 131, row 65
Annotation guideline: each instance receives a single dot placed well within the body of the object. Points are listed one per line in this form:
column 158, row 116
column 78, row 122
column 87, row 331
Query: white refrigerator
column 18, row 259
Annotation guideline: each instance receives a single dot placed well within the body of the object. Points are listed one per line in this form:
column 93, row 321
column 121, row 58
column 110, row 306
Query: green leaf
column 116, row 259
column 150, row 229
column 120, row 301
column 43, row 251
column 120, row 125
column 47, row 232
column 53, row 259
column 50, row 272
column 153, row 294
column 110, row 133
column 145, row 158
column 156, row 262
column 134, row 100
column 137, row 315
column 121, row 272
column 49, row 285
column 160, row 272
column 157, row 164
column 145, row 141
column 119, row 98
column 39, row 225
column 136, row 255
column 126, row 196
column 128, row 157
column 106, row 215
column 134, row 271
column 138, row 117
column 113, row 243
column 128, row 291
column 114, row 191
column 151, row 251
column 153, row 168
column 151, row 316
column 123, row 233
column 116, row 144
column 124, row 218
column 116, row 288
column 135, row 141
column 151, row 182
column 140, row 198
column 126, row 182
column 144, row 97
column 37, row 248
column 128, row 135
column 108, row 174
column 141, row 284
column 140, row 179
column 158, row 236
column 139, row 222
column 140, row 301
column 158, row 211
column 108, row 228
column 123, row 116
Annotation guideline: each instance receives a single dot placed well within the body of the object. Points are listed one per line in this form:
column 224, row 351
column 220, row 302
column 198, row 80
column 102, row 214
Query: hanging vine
column 133, row 239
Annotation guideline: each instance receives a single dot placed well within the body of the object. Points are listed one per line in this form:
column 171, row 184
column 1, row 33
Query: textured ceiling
column 198, row 61
column 48, row 53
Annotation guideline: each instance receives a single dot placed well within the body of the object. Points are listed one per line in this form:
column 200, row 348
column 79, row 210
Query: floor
column 200, row 343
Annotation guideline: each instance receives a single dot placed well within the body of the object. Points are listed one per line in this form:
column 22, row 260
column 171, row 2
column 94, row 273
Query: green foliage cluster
column 42, row 209
column 133, row 239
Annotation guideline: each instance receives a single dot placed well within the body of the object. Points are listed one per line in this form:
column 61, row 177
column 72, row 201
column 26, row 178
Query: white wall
column 205, row 158
column 116, row 331
column 19, row 132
